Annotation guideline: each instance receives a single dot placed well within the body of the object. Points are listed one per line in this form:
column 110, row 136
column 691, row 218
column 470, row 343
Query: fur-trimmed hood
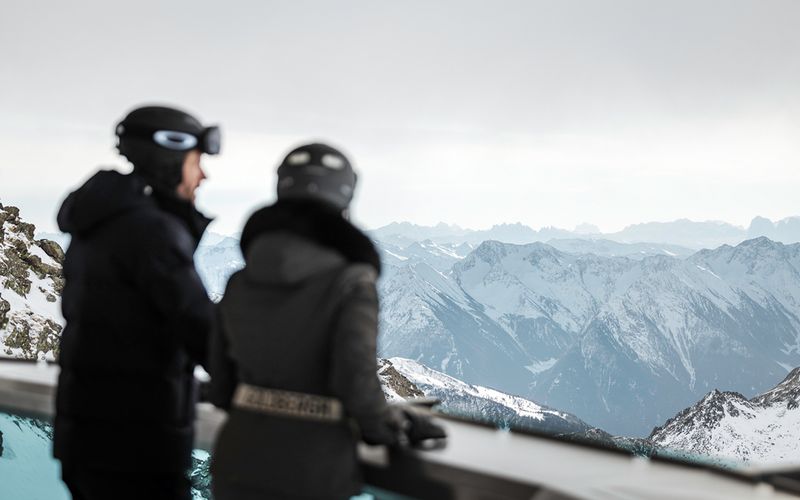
column 290, row 241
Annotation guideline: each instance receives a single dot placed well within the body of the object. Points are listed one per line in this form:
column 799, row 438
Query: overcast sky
column 475, row 113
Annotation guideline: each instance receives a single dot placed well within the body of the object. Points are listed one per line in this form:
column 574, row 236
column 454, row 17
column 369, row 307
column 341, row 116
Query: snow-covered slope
column 472, row 401
column 731, row 430
column 216, row 259
column 31, row 281
column 427, row 317
column 440, row 256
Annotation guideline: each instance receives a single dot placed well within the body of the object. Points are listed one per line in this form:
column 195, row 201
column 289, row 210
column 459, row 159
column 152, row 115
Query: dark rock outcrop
column 30, row 269
column 396, row 381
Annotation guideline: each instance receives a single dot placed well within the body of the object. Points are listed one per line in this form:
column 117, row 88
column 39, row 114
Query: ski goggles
column 208, row 141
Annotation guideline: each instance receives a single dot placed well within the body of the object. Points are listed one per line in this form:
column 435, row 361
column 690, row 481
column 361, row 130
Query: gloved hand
column 421, row 428
column 401, row 425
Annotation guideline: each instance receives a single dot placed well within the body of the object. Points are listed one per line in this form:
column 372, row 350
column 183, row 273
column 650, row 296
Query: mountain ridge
column 680, row 232
column 731, row 430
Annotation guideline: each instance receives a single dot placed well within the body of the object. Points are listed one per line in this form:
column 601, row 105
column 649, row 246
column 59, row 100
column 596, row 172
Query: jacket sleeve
column 354, row 368
column 166, row 273
column 221, row 366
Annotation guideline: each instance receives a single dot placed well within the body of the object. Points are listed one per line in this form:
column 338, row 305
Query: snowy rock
column 31, row 282
column 396, row 387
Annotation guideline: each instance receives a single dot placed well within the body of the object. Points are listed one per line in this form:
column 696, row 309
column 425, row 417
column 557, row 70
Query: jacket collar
column 195, row 221
column 314, row 223
column 108, row 194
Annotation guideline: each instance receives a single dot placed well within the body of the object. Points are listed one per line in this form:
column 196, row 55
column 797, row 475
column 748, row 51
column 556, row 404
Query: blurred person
column 293, row 357
column 137, row 315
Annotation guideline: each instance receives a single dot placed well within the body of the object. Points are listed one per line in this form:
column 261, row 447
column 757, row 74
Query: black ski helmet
column 317, row 172
column 156, row 140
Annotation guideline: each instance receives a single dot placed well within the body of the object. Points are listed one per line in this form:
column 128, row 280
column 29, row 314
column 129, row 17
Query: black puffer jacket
column 302, row 316
column 137, row 323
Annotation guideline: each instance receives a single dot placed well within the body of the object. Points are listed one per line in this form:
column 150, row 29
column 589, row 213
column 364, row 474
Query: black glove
column 421, row 428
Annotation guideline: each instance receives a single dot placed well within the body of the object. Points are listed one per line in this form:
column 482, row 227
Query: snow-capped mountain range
column 730, row 430
column 621, row 335
column 621, row 343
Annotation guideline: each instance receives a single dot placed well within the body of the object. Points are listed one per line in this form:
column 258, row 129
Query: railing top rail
column 538, row 460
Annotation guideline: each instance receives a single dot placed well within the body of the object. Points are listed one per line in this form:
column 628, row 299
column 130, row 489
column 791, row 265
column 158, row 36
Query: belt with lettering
column 287, row 403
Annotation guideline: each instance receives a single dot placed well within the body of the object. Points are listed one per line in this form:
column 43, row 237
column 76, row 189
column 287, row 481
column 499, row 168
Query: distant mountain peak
column 491, row 251
column 788, row 391
column 514, row 225
column 759, row 241
column 728, row 428
column 793, row 377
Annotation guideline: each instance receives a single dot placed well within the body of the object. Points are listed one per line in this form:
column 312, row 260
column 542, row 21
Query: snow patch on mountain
column 541, row 366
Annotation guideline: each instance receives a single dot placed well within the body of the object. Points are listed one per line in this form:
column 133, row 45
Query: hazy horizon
column 576, row 229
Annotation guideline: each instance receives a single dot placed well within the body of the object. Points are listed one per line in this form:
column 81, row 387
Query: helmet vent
column 299, row 158
column 333, row 161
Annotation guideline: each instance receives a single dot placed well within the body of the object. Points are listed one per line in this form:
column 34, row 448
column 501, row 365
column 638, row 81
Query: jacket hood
column 109, row 194
column 283, row 258
column 105, row 195
column 303, row 235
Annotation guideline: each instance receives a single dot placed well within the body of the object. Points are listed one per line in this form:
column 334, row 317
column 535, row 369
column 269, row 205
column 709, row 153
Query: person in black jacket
column 137, row 315
column 293, row 358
